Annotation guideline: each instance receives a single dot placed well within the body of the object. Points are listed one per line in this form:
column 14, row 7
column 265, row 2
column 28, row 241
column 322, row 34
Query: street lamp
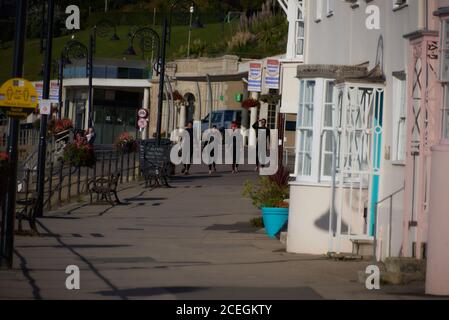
column 101, row 29
column 160, row 65
column 149, row 42
column 72, row 50
column 193, row 25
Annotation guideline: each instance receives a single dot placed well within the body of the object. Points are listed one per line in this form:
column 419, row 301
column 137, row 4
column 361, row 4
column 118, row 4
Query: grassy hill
column 212, row 37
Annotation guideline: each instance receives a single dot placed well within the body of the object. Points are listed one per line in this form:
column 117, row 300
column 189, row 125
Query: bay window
column 315, row 125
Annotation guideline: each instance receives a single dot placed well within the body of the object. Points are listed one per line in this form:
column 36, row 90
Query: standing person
column 189, row 129
column 91, row 136
column 257, row 127
column 235, row 129
column 214, row 134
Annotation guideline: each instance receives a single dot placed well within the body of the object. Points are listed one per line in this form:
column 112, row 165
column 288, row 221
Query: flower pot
column 274, row 220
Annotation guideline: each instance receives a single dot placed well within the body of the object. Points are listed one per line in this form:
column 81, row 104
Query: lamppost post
column 9, row 216
column 44, row 118
column 161, row 82
column 192, row 9
column 61, row 83
column 91, row 75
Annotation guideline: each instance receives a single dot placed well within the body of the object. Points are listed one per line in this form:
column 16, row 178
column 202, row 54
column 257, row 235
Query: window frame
column 317, row 129
column 299, row 23
column 445, row 116
column 399, row 120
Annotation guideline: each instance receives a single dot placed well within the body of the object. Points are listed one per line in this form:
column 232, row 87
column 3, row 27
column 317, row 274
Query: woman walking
column 214, row 134
column 235, row 131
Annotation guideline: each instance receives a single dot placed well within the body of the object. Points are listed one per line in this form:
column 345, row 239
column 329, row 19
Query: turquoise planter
column 274, row 220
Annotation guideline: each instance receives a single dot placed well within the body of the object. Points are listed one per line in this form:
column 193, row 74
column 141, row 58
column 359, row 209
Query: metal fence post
column 78, row 183
column 61, row 179
column 69, row 183
column 50, row 185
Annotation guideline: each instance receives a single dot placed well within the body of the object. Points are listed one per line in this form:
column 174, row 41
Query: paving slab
column 193, row 241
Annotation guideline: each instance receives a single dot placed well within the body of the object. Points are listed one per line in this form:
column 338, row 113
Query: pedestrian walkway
column 190, row 242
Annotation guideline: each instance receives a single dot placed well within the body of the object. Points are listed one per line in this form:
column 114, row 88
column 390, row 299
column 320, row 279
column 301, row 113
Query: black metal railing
column 65, row 183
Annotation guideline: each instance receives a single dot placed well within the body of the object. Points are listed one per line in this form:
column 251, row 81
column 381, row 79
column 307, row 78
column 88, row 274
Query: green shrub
column 269, row 192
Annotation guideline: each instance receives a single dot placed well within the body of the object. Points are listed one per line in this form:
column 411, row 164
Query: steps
column 363, row 247
column 399, row 271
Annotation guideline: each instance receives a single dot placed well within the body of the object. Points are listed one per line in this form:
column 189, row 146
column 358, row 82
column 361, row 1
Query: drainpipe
column 332, row 214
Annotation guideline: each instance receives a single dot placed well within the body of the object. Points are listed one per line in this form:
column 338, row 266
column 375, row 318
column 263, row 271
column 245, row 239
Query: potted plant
column 126, row 143
column 79, row 154
column 269, row 194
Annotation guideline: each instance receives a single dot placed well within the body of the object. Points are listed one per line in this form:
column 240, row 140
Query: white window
column 329, row 7
column 299, row 33
column 315, row 130
column 400, row 119
column 327, row 132
column 305, row 128
column 446, row 113
column 444, row 70
column 319, row 10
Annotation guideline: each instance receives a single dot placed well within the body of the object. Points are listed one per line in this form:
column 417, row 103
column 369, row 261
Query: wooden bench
column 27, row 213
column 105, row 188
column 156, row 175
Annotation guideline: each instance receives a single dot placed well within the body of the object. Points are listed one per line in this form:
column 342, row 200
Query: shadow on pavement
column 238, row 227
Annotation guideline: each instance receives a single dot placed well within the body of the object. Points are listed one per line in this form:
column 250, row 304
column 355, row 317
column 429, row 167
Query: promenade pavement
column 193, row 241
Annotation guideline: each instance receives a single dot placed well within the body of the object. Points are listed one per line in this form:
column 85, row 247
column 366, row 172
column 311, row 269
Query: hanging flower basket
column 126, row 143
column 177, row 97
column 80, row 154
column 250, row 103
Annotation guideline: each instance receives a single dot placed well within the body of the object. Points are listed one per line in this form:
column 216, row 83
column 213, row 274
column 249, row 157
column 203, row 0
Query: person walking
column 91, row 136
column 235, row 131
column 186, row 169
column 258, row 128
column 214, row 135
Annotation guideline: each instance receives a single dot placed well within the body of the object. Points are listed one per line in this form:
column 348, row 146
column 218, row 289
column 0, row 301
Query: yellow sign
column 18, row 96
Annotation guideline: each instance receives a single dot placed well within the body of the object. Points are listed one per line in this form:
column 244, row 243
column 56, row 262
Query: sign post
column 44, row 117
column 8, row 212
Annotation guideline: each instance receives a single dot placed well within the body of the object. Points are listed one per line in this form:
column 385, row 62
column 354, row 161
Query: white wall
column 344, row 39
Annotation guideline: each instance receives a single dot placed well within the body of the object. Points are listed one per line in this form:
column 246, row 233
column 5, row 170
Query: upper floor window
column 299, row 33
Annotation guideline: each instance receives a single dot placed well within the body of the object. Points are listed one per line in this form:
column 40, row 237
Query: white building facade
column 345, row 79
